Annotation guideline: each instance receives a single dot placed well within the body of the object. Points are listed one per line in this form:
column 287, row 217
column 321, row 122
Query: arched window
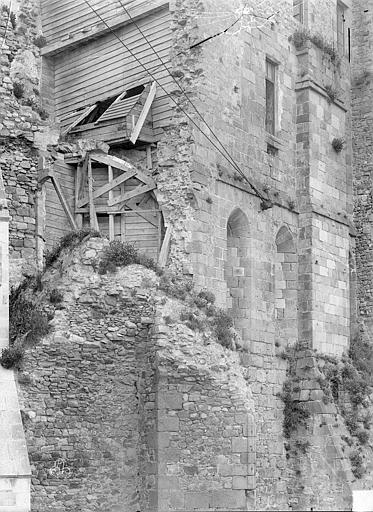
column 237, row 272
column 286, row 288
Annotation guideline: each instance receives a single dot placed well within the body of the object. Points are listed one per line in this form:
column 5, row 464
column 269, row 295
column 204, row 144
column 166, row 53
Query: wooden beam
column 63, row 201
column 78, row 119
column 108, row 187
column 44, row 176
column 141, row 189
column 145, row 214
column 163, row 255
column 122, row 165
column 111, row 217
column 141, row 120
column 92, row 212
column 115, row 210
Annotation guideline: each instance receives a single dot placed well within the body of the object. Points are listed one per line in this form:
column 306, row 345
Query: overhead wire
column 228, row 158
column 184, row 92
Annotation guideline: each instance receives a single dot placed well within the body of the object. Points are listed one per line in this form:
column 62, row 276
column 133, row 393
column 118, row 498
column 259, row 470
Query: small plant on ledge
column 301, row 36
column 332, row 92
column 338, row 144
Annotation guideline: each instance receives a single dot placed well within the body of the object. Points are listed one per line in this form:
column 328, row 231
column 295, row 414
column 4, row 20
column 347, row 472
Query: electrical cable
column 236, row 166
column 229, row 158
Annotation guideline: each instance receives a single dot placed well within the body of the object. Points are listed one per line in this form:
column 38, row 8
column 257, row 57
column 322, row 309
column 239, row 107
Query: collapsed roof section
column 125, row 117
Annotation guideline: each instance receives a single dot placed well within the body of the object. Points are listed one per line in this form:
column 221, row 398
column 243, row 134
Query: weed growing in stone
column 301, row 36
column 40, row 41
column 176, row 286
column 357, row 466
column 295, row 413
column 72, row 239
column 55, row 296
column 192, row 320
column 338, row 144
column 222, row 324
column 11, row 357
column 13, row 20
column 204, row 299
column 27, row 322
column 18, row 90
column 332, row 92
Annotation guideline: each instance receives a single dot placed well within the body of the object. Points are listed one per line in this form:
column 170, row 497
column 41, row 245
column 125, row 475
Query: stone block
column 197, row 500
column 239, row 444
column 228, row 500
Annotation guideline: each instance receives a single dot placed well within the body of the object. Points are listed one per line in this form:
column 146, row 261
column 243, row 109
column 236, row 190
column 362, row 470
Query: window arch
column 286, row 288
column 237, row 272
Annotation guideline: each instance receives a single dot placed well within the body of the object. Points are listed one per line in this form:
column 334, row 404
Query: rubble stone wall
column 362, row 124
column 86, row 425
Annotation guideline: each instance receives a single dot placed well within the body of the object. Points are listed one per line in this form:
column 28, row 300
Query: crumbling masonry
column 112, row 117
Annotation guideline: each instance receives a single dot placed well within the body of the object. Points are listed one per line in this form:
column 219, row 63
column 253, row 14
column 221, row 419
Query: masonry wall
column 362, row 124
column 87, row 427
column 23, row 123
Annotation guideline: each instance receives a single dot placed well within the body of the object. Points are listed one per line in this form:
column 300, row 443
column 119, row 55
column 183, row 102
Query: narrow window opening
column 341, row 28
column 298, row 10
column 270, row 97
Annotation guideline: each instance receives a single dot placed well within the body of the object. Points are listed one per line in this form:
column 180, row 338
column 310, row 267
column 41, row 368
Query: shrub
column 72, row 239
column 120, row 254
column 175, row 285
column 356, row 463
column 362, row 436
column 40, row 41
column 55, row 296
column 222, row 324
column 361, row 355
column 27, row 322
column 192, row 320
column 338, row 144
column 300, row 37
column 295, row 414
column 18, row 89
column 13, row 20
column 302, row 446
column 11, row 357
column 204, row 298
column 43, row 113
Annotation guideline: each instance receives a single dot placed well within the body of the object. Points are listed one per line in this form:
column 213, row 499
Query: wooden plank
column 78, row 119
column 145, row 214
column 87, row 25
column 63, row 201
column 107, row 187
column 121, row 164
column 163, row 255
column 141, row 189
column 111, row 217
column 92, row 212
column 141, row 120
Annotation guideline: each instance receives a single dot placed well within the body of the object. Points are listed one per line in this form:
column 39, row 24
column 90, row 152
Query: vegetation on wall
column 338, row 144
column 302, row 35
column 72, row 239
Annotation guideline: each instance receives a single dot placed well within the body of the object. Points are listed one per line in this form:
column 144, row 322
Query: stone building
column 216, row 136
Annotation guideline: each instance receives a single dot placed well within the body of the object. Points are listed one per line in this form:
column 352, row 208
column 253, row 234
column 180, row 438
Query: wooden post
column 149, row 162
column 92, row 211
column 78, row 179
column 111, row 216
